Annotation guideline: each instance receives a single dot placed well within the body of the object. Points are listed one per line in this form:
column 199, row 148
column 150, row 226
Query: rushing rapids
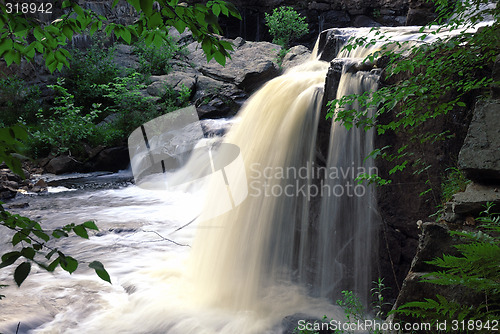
column 291, row 246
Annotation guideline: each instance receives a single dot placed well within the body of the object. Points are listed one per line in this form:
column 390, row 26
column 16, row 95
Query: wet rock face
column 480, row 155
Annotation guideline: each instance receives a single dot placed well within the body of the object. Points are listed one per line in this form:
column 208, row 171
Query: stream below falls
column 145, row 256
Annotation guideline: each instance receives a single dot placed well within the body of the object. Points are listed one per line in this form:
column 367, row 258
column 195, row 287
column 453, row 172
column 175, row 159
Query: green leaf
column 136, row 4
column 28, row 253
column 51, row 267
column 233, row 10
column 12, row 56
column 127, row 37
column 52, row 252
column 206, row 45
column 14, row 165
column 81, row 231
column 100, row 271
column 216, row 9
column 68, row 32
column 147, row 7
column 90, row 225
column 41, row 235
column 68, row 263
column 59, row 233
column 93, row 28
column 179, row 25
column 18, row 237
column 157, row 40
column 220, row 58
column 155, row 21
column 78, row 10
column 21, row 272
column 6, row 44
column 9, row 258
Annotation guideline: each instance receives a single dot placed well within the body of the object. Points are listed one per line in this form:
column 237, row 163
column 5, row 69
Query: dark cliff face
column 320, row 15
column 325, row 14
column 400, row 204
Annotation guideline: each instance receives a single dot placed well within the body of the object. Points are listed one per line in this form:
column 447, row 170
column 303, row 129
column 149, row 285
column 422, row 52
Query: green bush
column 286, row 25
column 18, row 101
column 65, row 129
column 89, row 68
column 157, row 60
column 131, row 108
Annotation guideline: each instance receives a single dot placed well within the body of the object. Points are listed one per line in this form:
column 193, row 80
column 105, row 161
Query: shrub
column 18, row 101
column 132, row 108
column 156, row 60
column 89, row 68
column 65, row 129
column 286, row 26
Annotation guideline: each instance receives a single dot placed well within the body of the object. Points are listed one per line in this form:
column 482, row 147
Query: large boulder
column 474, row 199
column 63, row 164
column 251, row 64
column 295, row 56
column 480, row 154
column 215, row 99
column 176, row 80
column 112, row 159
column 420, row 13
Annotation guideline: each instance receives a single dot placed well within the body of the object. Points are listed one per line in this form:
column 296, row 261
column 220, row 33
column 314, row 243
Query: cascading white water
column 239, row 255
column 255, row 264
column 347, row 224
column 270, row 240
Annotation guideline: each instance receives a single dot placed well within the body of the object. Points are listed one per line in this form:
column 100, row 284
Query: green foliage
column 430, row 79
column 476, row 269
column 18, row 101
column 65, row 129
column 31, row 244
column 89, row 68
column 286, row 26
column 156, row 60
column 11, row 144
column 68, row 127
column 22, row 36
column 129, row 108
column 281, row 55
column 352, row 306
column 454, row 182
column 379, row 305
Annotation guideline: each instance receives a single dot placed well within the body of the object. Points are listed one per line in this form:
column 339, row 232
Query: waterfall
column 270, row 239
column 346, row 245
column 305, row 231
column 239, row 255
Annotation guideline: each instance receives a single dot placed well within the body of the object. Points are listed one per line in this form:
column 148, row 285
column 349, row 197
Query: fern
column 477, row 268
